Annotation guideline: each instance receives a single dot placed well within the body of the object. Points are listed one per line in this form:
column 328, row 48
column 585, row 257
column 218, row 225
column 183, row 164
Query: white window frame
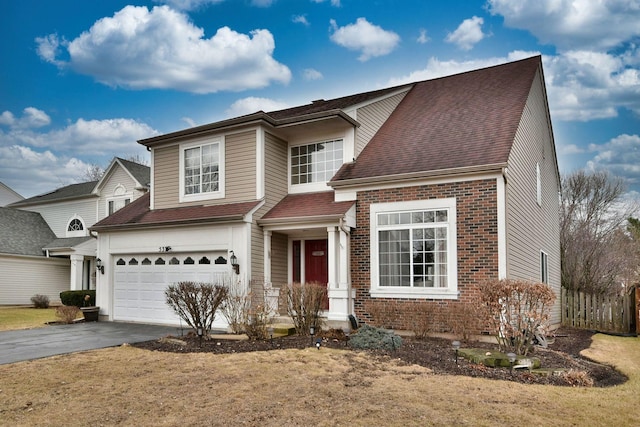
column 544, row 267
column 119, row 195
column 448, row 292
column 220, row 194
column 76, row 233
column 318, row 185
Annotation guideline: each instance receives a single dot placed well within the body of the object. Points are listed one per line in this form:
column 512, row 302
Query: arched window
column 75, row 225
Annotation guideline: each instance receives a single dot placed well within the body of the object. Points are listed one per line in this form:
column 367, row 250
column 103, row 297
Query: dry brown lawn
column 134, row 387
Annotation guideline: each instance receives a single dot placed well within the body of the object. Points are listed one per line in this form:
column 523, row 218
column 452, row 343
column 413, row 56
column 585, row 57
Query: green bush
column 369, row 337
column 40, row 301
column 77, row 298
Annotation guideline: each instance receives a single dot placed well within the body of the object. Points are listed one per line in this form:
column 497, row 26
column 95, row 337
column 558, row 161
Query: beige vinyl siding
column 240, row 173
column 118, row 177
column 275, row 158
column 530, row 227
column 240, row 167
column 279, row 253
column 372, row 116
column 23, row 277
column 57, row 215
column 166, row 177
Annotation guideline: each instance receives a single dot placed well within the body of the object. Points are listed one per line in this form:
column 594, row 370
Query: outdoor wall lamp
column 234, row 263
column 456, row 347
column 99, row 266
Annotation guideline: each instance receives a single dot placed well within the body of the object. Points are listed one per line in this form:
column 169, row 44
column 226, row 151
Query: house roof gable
column 460, row 121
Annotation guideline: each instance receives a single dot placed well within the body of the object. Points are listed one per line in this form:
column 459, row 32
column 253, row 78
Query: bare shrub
column 40, row 301
column 304, row 303
column 382, row 314
column 465, row 318
column 236, row 306
column 517, row 310
column 256, row 321
column 196, row 303
column 422, row 320
column 577, row 378
column 67, row 313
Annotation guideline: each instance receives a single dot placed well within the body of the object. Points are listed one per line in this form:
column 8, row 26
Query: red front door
column 316, row 264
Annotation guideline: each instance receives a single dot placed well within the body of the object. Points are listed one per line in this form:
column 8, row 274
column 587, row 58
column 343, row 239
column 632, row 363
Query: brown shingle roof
column 138, row 214
column 459, row 121
column 299, row 206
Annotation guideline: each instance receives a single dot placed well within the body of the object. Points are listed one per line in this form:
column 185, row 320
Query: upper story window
column 75, row 227
column 317, row 162
column 202, row 170
column 413, row 249
column 114, row 205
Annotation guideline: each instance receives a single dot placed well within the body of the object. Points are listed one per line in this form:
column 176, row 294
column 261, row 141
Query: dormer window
column 317, row 162
column 202, row 170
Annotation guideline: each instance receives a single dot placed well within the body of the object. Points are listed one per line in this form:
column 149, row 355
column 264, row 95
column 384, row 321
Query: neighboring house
column 68, row 213
column 8, row 196
column 25, row 269
column 392, row 197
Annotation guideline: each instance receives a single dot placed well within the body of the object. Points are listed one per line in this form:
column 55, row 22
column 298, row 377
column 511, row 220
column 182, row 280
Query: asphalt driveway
column 16, row 346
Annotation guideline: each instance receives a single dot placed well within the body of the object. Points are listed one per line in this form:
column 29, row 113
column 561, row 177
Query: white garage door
column 140, row 282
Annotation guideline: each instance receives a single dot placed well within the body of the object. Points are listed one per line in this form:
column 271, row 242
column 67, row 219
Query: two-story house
column 46, row 246
column 411, row 193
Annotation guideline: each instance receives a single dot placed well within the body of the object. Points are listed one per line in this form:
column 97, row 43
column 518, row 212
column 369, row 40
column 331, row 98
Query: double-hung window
column 202, row 170
column 315, row 163
column 413, row 249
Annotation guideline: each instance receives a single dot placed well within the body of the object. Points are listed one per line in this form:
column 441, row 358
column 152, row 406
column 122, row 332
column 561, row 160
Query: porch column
column 77, row 263
column 271, row 294
column 332, row 257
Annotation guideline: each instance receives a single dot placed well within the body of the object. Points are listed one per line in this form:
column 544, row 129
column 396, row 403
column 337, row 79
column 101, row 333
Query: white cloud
column 573, row 24
column 620, row 156
column 300, row 19
column 422, row 38
column 31, row 118
column 46, row 171
column 468, row 33
column 334, row 3
column 188, row 4
column 252, row 104
column 262, row 3
column 371, row 40
column 569, row 149
column 581, row 85
column 162, row 49
column 436, row 68
column 311, row 74
column 585, row 85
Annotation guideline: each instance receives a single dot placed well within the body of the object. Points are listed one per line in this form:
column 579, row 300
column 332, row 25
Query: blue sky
column 82, row 81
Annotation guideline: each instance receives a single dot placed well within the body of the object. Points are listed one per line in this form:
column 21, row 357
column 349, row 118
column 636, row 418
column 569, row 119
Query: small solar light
column 512, row 359
column 312, row 331
column 200, row 332
column 318, row 343
column 270, row 332
column 456, row 347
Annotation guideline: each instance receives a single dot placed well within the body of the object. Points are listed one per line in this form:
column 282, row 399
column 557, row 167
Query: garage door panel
column 139, row 287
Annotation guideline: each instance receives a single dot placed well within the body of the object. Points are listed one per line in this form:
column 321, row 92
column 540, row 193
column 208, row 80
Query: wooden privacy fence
column 599, row 312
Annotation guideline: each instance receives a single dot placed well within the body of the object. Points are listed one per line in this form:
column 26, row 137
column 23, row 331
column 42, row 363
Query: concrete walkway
column 16, row 346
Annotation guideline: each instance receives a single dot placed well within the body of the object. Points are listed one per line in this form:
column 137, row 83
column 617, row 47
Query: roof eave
column 300, row 219
column 160, row 224
column 415, row 176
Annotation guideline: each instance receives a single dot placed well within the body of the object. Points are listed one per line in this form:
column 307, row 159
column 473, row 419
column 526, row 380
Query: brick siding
column 477, row 240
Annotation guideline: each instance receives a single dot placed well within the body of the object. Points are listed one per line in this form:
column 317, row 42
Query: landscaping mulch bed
column 433, row 353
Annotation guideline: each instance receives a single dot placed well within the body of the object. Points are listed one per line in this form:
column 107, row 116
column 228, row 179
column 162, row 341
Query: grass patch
column 25, row 317
column 130, row 386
